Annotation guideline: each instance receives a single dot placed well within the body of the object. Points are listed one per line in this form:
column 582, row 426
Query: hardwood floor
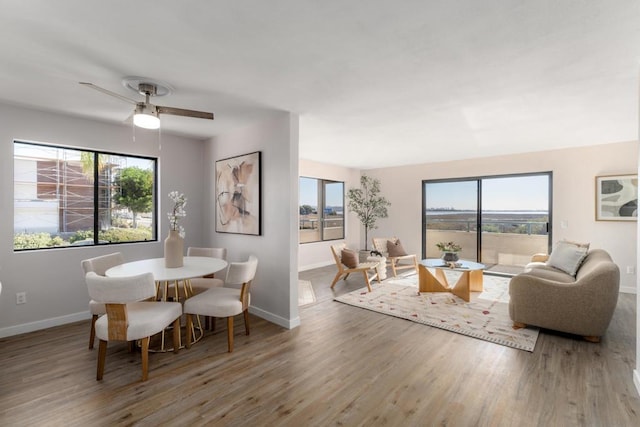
column 342, row 366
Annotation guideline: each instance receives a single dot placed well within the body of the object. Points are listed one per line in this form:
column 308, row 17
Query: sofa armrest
column 539, row 257
column 584, row 307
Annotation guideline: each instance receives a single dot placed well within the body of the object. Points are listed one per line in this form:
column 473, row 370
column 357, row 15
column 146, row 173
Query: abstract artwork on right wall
column 617, row 198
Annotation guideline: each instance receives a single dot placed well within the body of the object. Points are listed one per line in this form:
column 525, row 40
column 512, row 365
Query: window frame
column 320, row 209
column 97, row 186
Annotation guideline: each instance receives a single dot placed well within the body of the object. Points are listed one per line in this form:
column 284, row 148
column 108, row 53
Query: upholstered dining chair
column 347, row 263
column 129, row 318
column 225, row 301
column 398, row 259
column 99, row 265
column 207, row 282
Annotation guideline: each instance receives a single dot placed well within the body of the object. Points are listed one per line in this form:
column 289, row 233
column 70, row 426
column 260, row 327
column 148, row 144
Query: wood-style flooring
column 343, row 366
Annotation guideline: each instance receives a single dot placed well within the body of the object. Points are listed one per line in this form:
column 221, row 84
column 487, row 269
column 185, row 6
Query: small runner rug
column 305, row 293
column 485, row 317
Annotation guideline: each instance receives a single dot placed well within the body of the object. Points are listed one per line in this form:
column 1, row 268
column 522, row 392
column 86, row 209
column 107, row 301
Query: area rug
column 305, row 293
column 485, row 317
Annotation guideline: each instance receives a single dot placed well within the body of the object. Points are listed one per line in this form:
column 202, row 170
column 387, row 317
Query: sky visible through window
column 527, row 193
column 309, row 193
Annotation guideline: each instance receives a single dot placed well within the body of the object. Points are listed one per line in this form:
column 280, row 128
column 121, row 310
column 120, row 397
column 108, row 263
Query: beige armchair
column 99, row 265
column 201, row 284
column 347, row 267
column 225, row 301
column 399, row 262
column 550, row 298
column 129, row 318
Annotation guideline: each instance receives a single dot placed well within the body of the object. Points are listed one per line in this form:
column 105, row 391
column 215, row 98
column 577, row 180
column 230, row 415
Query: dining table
column 172, row 284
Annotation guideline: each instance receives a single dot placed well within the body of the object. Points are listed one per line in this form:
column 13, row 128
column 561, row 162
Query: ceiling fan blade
column 108, row 92
column 184, row 113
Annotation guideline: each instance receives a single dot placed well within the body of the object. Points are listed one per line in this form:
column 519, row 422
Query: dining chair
column 201, row 284
column 129, row 318
column 397, row 258
column 347, row 263
column 225, row 301
column 99, row 265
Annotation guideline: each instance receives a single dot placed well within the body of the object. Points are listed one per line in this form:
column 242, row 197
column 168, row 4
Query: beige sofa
column 550, row 298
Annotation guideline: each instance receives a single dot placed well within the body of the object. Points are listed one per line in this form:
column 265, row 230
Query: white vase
column 173, row 250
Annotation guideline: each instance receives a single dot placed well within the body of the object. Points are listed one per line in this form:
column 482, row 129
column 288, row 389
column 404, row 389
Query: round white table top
column 194, row 266
column 463, row 265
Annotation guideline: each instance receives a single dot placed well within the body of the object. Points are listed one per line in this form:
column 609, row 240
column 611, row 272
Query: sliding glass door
column 451, row 215
column 512, row 212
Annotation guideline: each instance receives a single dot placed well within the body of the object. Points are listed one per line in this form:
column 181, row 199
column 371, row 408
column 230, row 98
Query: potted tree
column 368, row 204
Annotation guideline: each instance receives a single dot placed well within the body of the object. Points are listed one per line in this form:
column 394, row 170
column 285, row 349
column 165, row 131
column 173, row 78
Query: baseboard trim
column 636, row 380
column 317, row 265
column 628, row 290
column 274, row 318
column 43, row 324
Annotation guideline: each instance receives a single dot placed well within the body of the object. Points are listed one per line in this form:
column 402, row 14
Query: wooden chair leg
column 246, row 321
column 176, row 335
column 189, row 333
column 519, row 325
column 102, row 354
column 393, row 268
column 366, row 280
column 335, row 280
column 145, row 358
column 230, row 333
column 92, row 333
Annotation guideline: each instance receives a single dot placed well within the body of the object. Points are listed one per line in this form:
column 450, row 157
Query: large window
column 499, row 221
column 67, row 197
column 321, row 210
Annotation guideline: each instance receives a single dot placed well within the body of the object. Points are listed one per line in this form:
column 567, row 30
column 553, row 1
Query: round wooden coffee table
column 470, row 278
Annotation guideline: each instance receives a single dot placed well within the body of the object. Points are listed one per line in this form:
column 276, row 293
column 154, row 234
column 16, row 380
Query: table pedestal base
column 469, row 281
column 178, row 290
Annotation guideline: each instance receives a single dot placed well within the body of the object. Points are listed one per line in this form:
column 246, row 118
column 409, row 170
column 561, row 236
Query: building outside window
column 321, row 210
column 69, row 197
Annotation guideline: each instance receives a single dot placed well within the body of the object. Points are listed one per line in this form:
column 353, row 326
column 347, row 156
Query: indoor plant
column 449, row 250
column 368, row 204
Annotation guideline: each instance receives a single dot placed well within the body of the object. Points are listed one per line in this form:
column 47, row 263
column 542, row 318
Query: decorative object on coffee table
column 449, row 251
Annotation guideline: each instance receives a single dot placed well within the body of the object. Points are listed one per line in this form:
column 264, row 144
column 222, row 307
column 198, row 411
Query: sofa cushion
column 550, row 273
column 349, row 258
column 567, row 256
column 395, row 249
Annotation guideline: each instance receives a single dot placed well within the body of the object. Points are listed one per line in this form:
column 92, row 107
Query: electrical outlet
column 21, row 298
column 631, row 269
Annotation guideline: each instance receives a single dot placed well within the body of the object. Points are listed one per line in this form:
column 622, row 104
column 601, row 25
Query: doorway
column 499, row 221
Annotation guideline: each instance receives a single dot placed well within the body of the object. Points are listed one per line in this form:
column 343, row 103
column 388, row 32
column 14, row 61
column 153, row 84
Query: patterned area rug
column 485, row 317
column 305, row 293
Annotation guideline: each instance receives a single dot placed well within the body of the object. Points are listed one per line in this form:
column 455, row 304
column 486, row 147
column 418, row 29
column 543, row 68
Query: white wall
column 318, row 254
column 52, row 279
column 574, row 171
column 274, row 293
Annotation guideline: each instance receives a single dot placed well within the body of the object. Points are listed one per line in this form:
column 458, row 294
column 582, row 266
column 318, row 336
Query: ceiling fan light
column 147, row 121
column 146, row 116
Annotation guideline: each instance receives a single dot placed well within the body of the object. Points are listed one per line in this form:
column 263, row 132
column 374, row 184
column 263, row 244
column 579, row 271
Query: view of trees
column 135, row 190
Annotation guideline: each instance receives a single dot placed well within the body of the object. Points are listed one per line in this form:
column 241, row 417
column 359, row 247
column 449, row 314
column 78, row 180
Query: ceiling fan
column 146, row 114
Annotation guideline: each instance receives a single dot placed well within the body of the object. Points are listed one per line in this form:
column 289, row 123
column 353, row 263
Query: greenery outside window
column 321, row 204
column 65, row 197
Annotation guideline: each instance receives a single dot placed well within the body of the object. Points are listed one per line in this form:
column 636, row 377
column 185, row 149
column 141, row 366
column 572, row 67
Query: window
column 321, row 210
column 68, row 197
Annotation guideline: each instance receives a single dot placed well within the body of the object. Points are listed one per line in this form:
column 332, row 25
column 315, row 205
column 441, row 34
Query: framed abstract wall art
column 238, row 198
column 617, row 198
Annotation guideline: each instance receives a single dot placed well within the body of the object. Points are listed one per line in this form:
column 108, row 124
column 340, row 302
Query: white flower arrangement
column 179, row 202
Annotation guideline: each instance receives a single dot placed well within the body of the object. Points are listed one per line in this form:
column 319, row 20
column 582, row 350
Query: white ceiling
column 376, row 83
